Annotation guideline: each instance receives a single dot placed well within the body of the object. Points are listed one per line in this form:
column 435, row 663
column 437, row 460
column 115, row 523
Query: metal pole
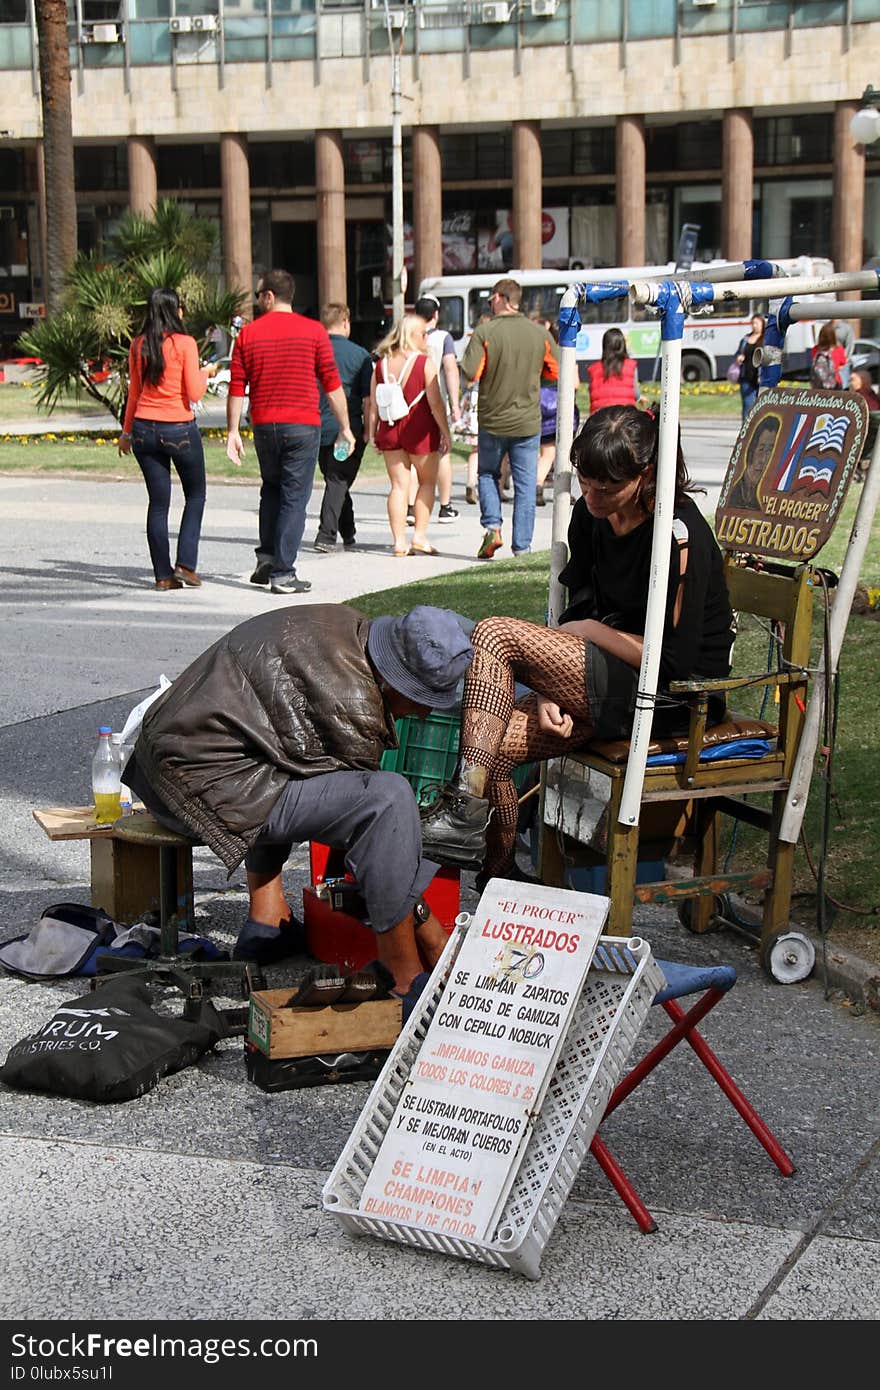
column 674, row 300
column 398, row 274
column 569, row 323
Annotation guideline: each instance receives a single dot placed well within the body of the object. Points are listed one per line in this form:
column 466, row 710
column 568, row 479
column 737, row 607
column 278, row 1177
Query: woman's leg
column 397, row 466
column 523, row 742
column 157, row 475
column 425, row 468
column 190, row 465
column 496, row 736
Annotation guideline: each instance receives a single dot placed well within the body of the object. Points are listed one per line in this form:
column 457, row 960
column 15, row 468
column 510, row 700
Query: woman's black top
column 607, row 579
column 748, row 372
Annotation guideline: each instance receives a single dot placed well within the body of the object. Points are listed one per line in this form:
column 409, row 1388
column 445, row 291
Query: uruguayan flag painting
column 829, row 432
column 791, row 452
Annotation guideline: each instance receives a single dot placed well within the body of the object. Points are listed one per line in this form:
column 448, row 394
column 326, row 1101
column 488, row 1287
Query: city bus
column 710, row 339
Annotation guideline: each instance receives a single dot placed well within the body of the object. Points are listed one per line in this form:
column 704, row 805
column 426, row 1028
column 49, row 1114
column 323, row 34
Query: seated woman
column 585, row 672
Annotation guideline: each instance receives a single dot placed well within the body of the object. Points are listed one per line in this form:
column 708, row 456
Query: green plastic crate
column 428, row 751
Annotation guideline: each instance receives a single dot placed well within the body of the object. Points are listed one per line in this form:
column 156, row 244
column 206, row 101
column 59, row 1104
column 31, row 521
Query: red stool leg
column 622, row 1186
column 732, row 1091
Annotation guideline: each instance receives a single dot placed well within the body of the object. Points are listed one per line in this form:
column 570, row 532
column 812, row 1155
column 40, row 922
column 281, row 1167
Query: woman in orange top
column 159, row 428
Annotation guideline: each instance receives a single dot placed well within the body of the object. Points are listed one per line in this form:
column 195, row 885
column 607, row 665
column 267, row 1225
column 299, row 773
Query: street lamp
column 398, row 270
column 865, row 124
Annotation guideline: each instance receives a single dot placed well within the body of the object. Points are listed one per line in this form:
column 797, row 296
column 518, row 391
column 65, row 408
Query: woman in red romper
column 416, row 441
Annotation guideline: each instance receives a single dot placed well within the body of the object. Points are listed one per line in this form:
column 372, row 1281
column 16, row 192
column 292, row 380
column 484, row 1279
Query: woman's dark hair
column 618, row 443
column 827, row 338
column 613, row 352
column 162, row 318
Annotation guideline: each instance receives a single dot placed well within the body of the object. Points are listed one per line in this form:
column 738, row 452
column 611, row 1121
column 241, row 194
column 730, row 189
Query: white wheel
column 790, row 957
column 222, row 389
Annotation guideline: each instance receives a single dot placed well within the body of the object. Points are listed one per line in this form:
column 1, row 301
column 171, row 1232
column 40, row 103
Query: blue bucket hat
column 423, row 654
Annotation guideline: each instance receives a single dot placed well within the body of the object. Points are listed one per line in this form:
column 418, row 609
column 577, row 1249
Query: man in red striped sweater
column 279, row 359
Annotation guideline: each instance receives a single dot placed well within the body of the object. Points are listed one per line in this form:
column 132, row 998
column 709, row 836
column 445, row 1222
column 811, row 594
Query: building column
column 629, row 142
column 330, row 188
column 235, row 183
column 143, row 186
column 527, row 195
column 427, row 205
column 848, row 200
column 737, row 183
column 848, row 192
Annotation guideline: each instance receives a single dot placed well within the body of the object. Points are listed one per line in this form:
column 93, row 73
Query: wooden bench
column 125, row 860
column 140, row 867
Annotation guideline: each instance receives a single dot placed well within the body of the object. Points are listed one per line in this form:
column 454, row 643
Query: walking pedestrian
column 508, row 356
column 280, row 358
column 159, row 429
column 442, row 350
column 748, row 367
column 614, row 380
column 411, row 434
column 355, row 367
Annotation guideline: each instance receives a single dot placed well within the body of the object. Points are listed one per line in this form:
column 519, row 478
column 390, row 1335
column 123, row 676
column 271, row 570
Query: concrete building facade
column 536, row 132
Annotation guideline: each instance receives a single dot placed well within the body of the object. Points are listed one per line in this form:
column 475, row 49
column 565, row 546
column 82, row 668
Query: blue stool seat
column 690, row 979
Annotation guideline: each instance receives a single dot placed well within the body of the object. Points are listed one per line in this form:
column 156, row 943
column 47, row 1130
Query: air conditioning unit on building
column 180, row 24
column 544, row 9
column 204, row 23
column 397, row 18
column 497, row 13
column 105, row 33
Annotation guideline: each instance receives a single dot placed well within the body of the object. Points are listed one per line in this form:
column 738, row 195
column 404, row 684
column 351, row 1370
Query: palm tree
column 51, row 18
column 104, row 299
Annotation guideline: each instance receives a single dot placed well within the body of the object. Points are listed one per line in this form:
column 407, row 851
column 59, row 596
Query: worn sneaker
column 262, row 573
column 410, row 517
column 290, row 586
column 323, row 545
column 350, row 544
column 447, row 513
column 470, row 496
column 454, row 827
column 540, row 500
column 491, row 542
column 265, row 945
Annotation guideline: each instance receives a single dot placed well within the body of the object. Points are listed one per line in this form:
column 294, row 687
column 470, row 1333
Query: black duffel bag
column 108, row 1045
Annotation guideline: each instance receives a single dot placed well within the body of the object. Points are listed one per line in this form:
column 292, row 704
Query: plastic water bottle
column 123, row 752
column 105, row 778
column 341, row 450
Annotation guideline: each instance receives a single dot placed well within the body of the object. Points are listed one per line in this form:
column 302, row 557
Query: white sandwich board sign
column 452, row 1149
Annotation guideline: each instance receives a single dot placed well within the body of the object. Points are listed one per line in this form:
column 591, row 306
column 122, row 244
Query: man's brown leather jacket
column 286, row 695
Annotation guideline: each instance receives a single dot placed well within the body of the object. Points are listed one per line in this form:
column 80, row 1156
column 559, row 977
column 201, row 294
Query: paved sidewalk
column 202, row 1198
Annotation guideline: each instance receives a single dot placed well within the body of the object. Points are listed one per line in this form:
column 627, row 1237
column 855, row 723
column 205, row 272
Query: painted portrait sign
column 789, row 472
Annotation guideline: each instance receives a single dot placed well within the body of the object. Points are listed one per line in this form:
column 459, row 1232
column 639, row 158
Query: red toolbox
column 341, row 938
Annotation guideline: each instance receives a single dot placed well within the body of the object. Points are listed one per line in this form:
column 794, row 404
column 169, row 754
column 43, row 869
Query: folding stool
column 712, row 983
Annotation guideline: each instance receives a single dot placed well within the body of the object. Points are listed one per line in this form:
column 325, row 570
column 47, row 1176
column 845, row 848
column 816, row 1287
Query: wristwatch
column 421, row 912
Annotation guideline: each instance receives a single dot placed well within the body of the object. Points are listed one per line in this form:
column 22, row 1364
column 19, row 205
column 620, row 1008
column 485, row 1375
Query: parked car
column 866, row 358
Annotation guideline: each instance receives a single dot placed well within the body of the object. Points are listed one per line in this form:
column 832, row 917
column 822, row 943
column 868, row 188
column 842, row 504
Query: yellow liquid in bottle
column 107, row 807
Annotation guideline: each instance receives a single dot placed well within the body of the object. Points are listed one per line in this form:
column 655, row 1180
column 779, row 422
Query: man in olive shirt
column 508, row 356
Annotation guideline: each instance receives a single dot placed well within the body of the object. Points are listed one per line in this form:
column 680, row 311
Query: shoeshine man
column 280, row 359
column 274, row 736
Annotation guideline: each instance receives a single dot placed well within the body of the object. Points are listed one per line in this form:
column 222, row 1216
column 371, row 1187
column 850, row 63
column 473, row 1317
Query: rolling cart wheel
column 685, row 911
column 788, row 957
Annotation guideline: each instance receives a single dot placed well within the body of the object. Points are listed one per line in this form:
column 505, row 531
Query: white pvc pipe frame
column 647, row 292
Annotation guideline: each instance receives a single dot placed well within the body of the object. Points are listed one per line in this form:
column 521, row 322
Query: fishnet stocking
column 498, row 734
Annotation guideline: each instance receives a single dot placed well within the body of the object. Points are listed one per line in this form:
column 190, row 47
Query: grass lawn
column 519, row 587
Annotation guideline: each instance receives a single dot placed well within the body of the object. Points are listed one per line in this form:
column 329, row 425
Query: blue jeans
column 156, row 445
column 522, row 451
column 749, row 396
column 287, row 456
